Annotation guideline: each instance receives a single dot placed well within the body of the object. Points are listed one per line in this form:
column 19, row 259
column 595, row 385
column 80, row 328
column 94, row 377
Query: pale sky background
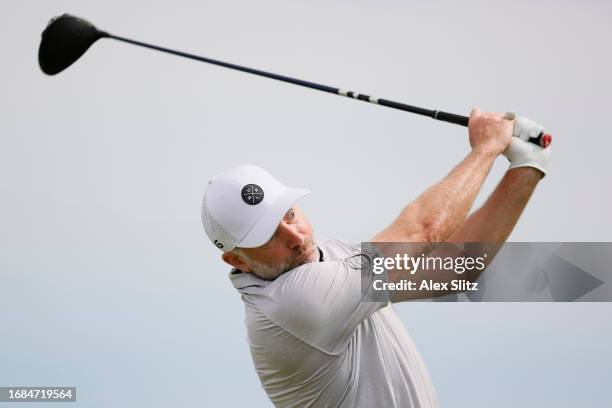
column 107, row 281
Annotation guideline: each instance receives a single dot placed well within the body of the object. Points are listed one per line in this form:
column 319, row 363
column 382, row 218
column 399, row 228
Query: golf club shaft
column 448, row 117
column 435, row 114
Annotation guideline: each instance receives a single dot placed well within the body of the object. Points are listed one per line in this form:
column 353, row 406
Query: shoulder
column 305, row 288
column 334, row 248
column 310, row 276
column 322, row 303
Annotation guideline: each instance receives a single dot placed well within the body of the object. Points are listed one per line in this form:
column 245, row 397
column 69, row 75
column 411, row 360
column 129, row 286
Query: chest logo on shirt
column 252, row 194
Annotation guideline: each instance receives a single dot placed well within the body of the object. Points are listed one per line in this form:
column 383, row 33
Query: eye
column 290, row 215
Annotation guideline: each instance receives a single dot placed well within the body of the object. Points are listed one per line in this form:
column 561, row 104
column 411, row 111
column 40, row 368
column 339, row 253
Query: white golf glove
column 522, row 153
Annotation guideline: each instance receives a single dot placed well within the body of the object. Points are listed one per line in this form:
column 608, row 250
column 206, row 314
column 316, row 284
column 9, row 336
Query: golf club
column 66, row 38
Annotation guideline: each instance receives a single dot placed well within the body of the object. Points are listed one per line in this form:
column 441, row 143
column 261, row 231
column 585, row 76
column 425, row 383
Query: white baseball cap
column 243, row 206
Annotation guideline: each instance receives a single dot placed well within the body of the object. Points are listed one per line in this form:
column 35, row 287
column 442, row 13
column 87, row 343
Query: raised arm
column 491, row 224
column 437, row 213
column 495, row 220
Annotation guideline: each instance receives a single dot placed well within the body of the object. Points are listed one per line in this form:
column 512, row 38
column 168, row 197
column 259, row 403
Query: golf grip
column 541, row 140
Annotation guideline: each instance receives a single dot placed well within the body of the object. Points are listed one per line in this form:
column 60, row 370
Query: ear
column 235, row 261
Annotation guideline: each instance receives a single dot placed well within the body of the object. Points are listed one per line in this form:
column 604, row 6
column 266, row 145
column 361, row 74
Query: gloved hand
column 521, row 153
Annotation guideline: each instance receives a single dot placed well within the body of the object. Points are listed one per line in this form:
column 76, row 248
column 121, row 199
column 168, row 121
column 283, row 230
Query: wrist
column 485, row 152
column 526, row 174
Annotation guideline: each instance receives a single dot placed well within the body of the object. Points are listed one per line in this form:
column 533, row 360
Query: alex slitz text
column 460, row 285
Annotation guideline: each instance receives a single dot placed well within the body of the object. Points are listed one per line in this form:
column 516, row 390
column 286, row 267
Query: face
column 291, row 245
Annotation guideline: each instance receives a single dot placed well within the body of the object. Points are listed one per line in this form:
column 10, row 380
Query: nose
column 292, row 235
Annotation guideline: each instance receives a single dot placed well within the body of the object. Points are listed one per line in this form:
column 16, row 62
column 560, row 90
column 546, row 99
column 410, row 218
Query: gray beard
column 267, row 271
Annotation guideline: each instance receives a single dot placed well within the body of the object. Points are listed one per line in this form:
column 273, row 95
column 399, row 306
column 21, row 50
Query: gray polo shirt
column 316, row 344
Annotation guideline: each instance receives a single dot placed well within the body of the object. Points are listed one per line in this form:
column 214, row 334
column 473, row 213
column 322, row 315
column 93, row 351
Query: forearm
column 442, row 208
column 490, row 225
column 495, row 220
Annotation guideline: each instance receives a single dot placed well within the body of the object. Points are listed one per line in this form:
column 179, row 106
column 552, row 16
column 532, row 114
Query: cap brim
column 265, row 227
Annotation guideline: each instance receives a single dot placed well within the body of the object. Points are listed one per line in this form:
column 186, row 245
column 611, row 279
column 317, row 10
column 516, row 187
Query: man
column 314, row 341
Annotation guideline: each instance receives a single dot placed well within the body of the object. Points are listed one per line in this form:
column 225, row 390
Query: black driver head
column 63, row 42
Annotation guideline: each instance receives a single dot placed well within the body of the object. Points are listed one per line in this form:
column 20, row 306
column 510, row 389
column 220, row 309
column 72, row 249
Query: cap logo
column 252, row 194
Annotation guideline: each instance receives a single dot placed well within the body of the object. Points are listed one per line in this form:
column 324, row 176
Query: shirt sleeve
column 323, row 303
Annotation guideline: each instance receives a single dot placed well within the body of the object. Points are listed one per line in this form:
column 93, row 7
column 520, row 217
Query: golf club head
column 63, row 42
